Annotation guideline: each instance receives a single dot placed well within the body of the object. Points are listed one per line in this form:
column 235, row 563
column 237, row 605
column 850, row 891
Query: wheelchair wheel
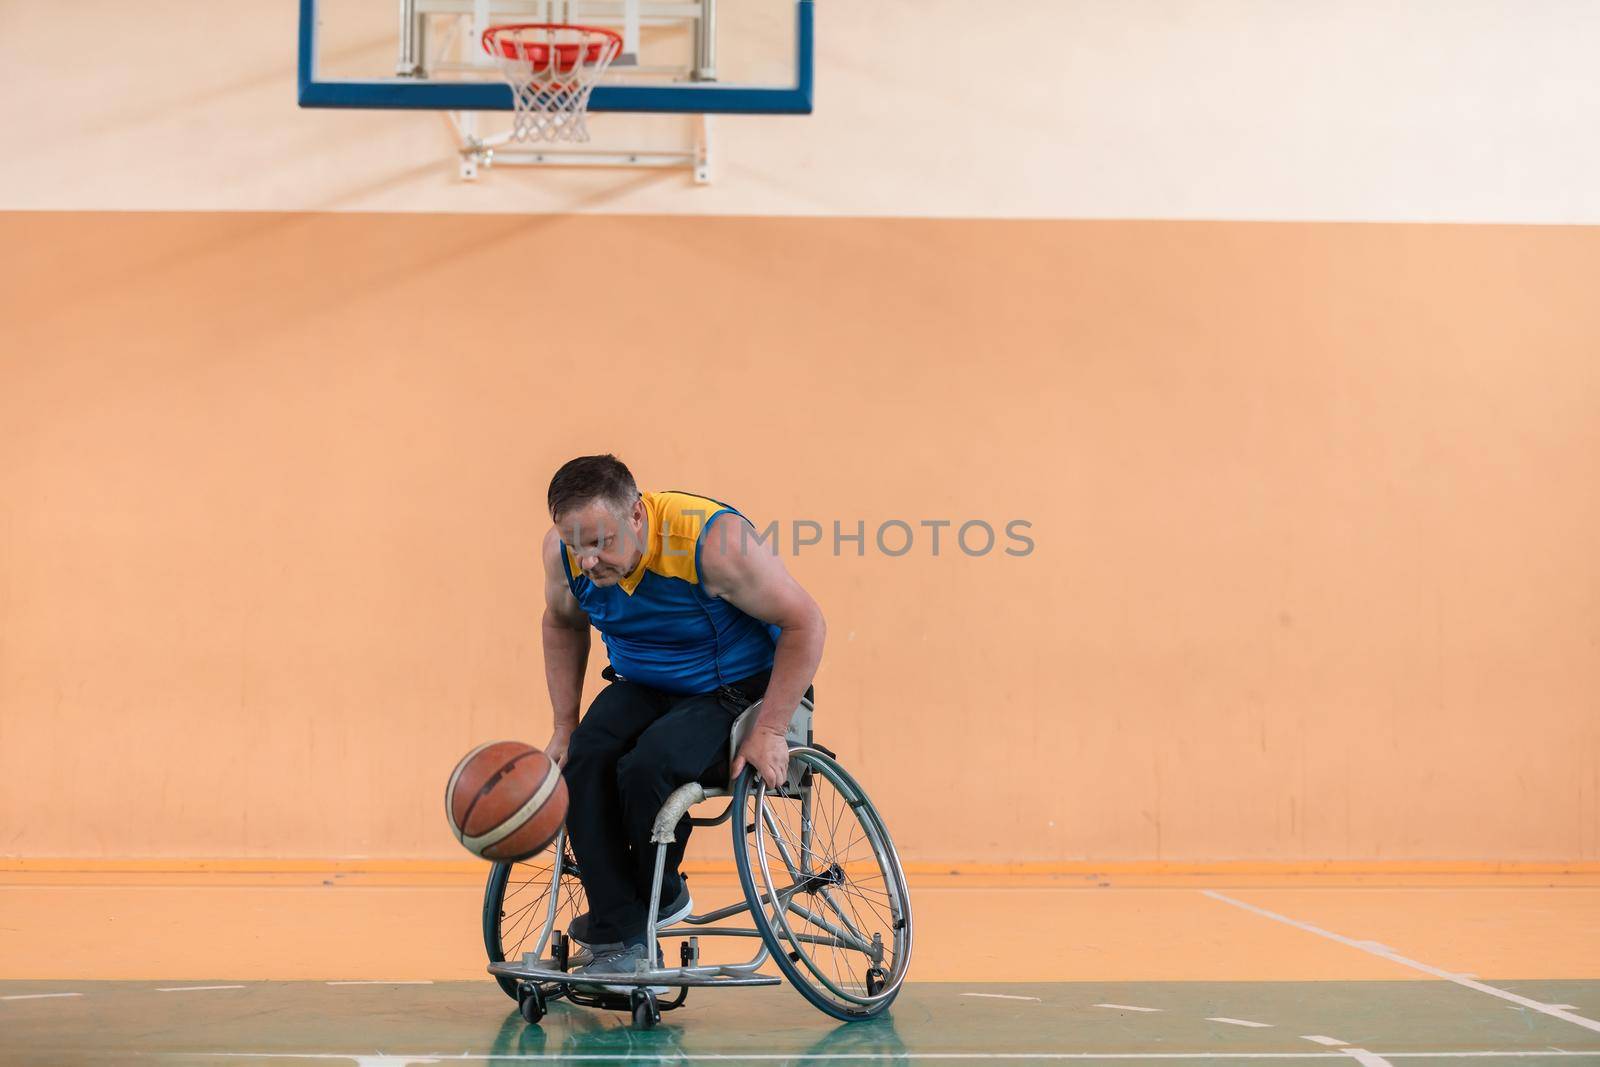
column 825, row 886
column 531, row 1002
column 516, row 903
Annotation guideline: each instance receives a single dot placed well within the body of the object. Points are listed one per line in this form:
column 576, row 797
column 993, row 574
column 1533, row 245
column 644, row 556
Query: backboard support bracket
column 479, row 154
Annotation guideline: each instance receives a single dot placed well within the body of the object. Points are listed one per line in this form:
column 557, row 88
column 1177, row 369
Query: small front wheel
column 645, row 1012
column 531, row 1002
column 875, row 980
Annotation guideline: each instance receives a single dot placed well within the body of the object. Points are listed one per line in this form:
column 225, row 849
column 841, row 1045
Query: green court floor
column 391, row 1024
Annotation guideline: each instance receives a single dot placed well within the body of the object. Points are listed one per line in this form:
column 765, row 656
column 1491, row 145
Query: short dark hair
column 591, row 478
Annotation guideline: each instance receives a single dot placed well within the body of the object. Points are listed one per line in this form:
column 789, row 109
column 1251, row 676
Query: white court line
column 1563, row 1007
column 1367, row 1059
column 193, row 988
column 39, row 996
column 654, row 1057
column 1002, row 996
column 1322, row 1039
column 1395, row 957
column 1237, row 1022
column 383, row 981
column 1125, row 1007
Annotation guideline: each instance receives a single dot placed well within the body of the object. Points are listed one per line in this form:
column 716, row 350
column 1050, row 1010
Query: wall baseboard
column 1064, row 874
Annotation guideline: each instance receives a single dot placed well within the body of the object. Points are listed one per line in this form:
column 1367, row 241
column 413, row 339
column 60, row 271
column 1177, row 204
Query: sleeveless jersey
column 659, row 625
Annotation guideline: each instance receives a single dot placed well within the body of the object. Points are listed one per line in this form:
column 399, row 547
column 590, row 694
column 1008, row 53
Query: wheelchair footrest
column 546, row 971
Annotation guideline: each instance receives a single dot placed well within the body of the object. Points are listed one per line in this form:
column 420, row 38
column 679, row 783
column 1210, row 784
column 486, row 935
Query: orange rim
column 569, row 55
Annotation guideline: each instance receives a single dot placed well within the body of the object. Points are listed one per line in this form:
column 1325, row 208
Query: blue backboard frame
column 420, row 95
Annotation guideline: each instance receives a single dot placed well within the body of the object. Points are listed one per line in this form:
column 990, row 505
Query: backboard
column 688, row 56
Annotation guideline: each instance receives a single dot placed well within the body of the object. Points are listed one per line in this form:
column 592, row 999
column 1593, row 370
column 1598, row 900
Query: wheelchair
column 822, row 884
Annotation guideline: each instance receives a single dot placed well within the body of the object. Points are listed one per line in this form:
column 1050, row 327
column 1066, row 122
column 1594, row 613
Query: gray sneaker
column 621, row 960
column 682, row 907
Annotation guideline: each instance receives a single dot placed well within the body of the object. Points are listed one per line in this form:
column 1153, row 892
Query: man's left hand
column 768, row 753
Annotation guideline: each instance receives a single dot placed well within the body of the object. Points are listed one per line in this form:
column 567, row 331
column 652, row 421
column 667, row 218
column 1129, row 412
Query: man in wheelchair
column 699, row 620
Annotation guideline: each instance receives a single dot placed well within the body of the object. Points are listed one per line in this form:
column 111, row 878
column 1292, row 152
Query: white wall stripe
column 1421, row 110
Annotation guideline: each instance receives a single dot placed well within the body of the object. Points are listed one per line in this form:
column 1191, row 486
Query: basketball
column 506, row 801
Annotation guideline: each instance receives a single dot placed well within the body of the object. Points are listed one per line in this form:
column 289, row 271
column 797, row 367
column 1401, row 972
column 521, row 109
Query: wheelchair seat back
column 799, row 731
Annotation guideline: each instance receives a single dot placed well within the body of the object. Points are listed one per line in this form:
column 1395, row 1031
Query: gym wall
column 1292, row 378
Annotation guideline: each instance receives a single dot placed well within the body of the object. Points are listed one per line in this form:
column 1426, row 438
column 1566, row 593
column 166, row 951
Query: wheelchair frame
column 536, row 979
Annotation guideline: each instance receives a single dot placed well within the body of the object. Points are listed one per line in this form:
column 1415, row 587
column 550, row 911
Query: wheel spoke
column 853, row 927
column 528, row 899
column 846, row 918
column 795, row 873
column 834, row 933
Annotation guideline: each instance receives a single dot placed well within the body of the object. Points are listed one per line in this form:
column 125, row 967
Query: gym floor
column 382, row 967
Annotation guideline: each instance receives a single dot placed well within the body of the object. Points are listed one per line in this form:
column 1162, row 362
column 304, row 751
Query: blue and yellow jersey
column 659, row 625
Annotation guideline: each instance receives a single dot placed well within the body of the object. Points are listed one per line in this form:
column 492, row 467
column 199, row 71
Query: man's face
column 607, row 546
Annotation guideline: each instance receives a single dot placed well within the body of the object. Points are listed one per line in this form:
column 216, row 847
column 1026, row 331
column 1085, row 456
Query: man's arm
column 565, row 631
column 741, row 571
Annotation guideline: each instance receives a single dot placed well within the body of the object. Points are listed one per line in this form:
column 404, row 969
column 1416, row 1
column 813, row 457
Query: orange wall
column 1316, row 511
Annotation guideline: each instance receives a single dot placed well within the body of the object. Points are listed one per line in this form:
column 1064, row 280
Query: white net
column 551, row 68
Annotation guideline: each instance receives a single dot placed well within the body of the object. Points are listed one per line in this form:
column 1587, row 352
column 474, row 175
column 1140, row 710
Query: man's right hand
column 557, row 748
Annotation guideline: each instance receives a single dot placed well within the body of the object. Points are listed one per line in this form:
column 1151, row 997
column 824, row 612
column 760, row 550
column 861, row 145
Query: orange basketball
column 506, row 801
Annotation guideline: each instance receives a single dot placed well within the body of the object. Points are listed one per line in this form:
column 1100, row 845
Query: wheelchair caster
column 530, row 1001
column 875, row 980
column 645, row 1012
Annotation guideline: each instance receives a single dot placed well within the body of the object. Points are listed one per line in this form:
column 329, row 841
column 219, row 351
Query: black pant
column 634, row 746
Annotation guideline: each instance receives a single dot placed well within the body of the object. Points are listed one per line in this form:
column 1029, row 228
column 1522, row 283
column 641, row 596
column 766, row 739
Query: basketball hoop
column 552, row 68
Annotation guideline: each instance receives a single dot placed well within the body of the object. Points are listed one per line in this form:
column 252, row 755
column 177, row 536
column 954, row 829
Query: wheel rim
column 826, row 854
column 525, row 903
